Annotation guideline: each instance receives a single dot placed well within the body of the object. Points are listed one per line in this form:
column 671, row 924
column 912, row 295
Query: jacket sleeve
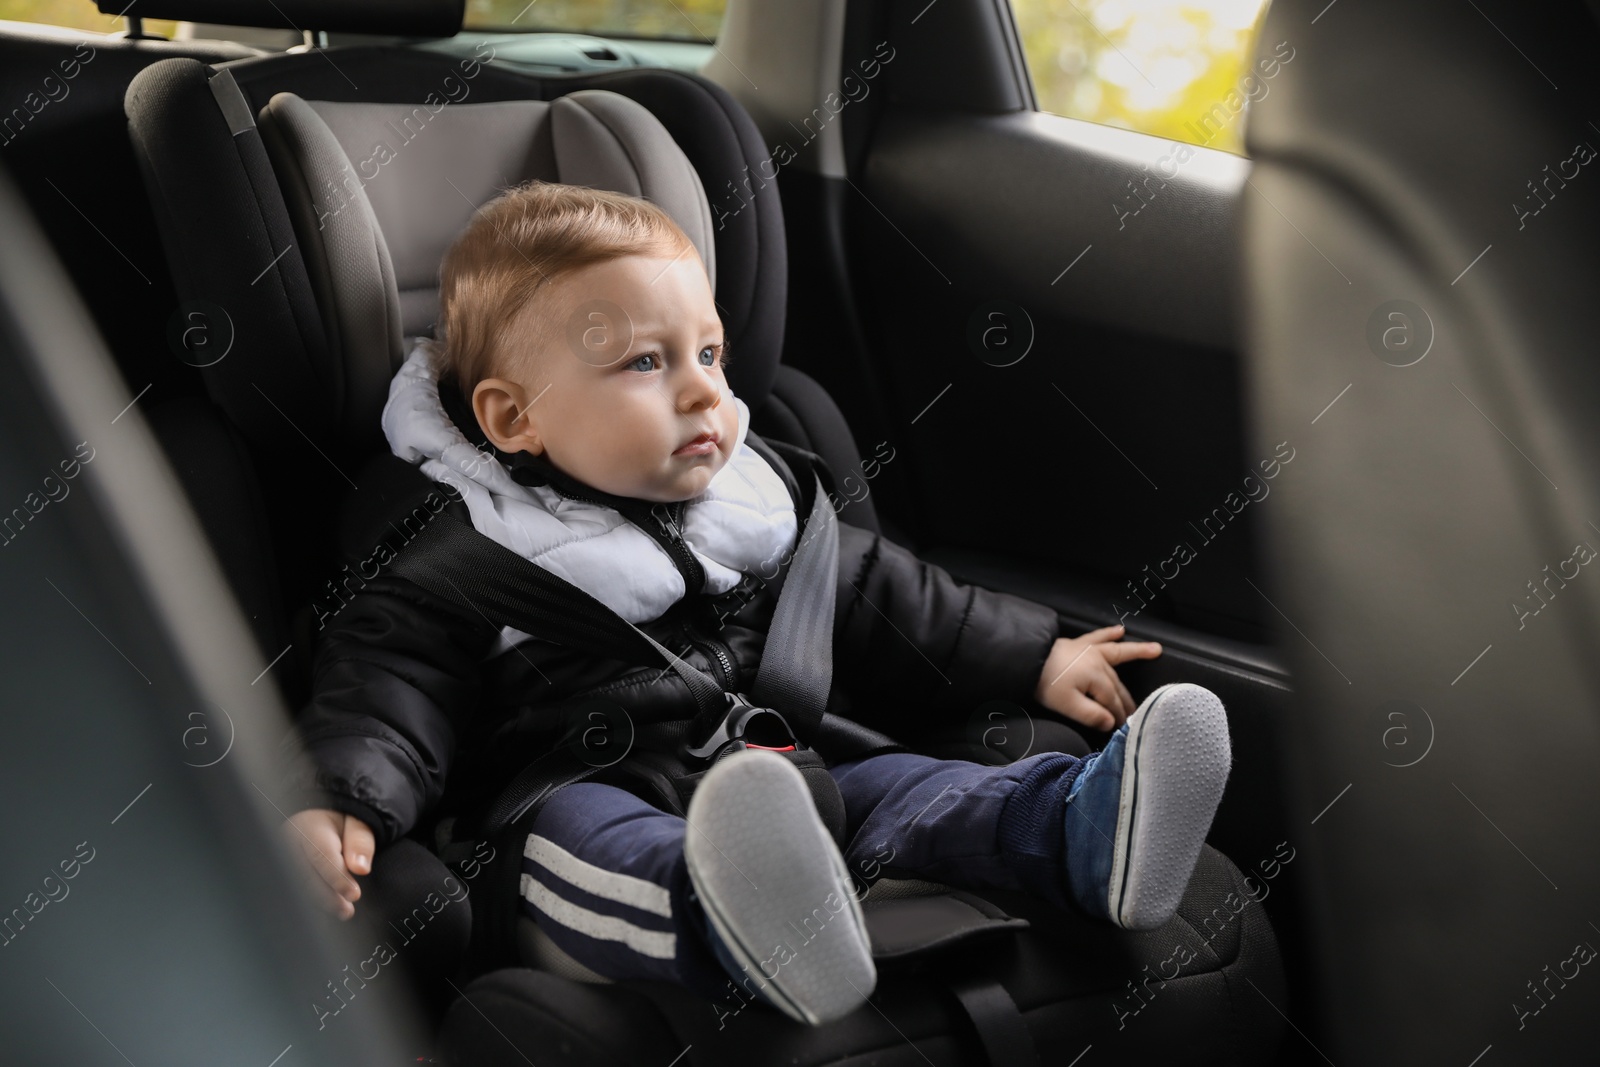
column 395, row 674
column 923, row 646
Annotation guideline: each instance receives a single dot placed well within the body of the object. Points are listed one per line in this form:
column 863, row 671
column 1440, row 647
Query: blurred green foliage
column 77, row 15
column 1157, row 66
column 687, row 19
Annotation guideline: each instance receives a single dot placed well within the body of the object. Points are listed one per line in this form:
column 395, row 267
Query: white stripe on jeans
column 654, row 943
column 623, row 888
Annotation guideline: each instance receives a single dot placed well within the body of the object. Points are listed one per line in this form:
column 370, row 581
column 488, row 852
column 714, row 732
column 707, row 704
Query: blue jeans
column 604, row 874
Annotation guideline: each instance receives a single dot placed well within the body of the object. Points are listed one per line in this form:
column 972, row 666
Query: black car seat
column 1421, row 269
column 313, row 254
column 63, row 138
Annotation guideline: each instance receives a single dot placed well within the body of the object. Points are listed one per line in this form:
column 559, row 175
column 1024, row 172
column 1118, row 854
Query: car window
column 696, row 20
column 1182, row 71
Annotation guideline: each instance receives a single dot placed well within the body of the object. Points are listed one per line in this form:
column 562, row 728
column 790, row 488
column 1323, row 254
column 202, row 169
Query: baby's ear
column 504, row 416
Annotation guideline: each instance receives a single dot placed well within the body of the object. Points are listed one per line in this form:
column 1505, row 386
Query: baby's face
column 626, row 384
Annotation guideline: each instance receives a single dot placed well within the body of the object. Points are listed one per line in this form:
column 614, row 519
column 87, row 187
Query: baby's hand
column 333, row 843
column 1080, row 679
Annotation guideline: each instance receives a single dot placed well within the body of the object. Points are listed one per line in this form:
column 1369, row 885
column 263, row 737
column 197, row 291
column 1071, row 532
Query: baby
column 579, row 378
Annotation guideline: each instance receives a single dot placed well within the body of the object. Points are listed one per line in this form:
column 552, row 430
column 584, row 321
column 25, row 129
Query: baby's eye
column 648, row 358
column 709, row 354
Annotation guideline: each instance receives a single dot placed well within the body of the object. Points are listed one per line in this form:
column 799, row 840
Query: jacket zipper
column 723, row 657
column 715, row 651
column 677, row 547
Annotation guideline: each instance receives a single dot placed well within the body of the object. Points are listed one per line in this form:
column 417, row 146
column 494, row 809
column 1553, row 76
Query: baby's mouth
column 703, row 445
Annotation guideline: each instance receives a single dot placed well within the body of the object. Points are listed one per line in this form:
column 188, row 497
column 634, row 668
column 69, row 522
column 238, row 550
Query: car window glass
column 697, row 20
column 77, row 15
column 1182, row 71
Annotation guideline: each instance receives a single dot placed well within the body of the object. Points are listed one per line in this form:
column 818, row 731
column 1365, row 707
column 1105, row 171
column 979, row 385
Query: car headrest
column 377, row 192
column 405, row 18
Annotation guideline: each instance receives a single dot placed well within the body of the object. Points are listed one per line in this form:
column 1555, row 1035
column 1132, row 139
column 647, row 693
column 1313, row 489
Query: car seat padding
column 377, row 192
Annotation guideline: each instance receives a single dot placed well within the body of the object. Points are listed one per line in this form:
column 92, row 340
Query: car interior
column 1057, row 358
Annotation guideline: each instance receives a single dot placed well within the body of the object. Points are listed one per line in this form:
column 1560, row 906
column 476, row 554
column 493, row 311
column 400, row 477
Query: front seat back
column 1421, row 265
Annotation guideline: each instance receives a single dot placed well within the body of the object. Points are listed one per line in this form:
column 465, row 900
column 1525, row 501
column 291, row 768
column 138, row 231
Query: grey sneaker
column 1138, row 814
column 776, row 892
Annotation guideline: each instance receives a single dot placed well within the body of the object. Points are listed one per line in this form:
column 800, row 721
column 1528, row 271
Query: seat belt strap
column 796, row 670
column 1002, row 1031
column 231, row 102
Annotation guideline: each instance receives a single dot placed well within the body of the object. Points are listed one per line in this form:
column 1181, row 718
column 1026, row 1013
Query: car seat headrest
column 377, row 192
column 407, row 18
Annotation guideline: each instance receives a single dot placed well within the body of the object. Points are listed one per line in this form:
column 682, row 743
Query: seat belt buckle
column 747, row 726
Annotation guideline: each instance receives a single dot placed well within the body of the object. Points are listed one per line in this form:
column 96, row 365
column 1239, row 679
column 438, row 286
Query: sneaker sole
column 1174, row 771
column 763, row 864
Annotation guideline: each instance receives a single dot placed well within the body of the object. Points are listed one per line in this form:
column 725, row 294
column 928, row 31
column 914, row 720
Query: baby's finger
column 320, row 846
column 1128, row 706
column 338, row 889
column 1081, row 709
column 1125, row 704
column 320, row 840
column 326, row 895
column 329, row 863
column 1123, row 651
column 359, row 845
column 1105, row 633
column 1103, row 689
column 332, row 901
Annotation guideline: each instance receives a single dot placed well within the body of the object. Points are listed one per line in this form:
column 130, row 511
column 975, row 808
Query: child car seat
column 305, row 201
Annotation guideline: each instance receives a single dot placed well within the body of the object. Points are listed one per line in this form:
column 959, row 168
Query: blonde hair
column 520, row 242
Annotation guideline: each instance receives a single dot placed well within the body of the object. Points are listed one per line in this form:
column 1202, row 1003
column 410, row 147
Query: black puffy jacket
column 407, row 698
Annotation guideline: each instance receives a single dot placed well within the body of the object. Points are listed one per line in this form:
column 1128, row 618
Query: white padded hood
column 742, row 521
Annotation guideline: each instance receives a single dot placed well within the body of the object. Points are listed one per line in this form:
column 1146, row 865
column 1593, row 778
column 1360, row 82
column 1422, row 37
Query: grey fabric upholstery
column 604, row 140
column 377, row 192
column 344, row 250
